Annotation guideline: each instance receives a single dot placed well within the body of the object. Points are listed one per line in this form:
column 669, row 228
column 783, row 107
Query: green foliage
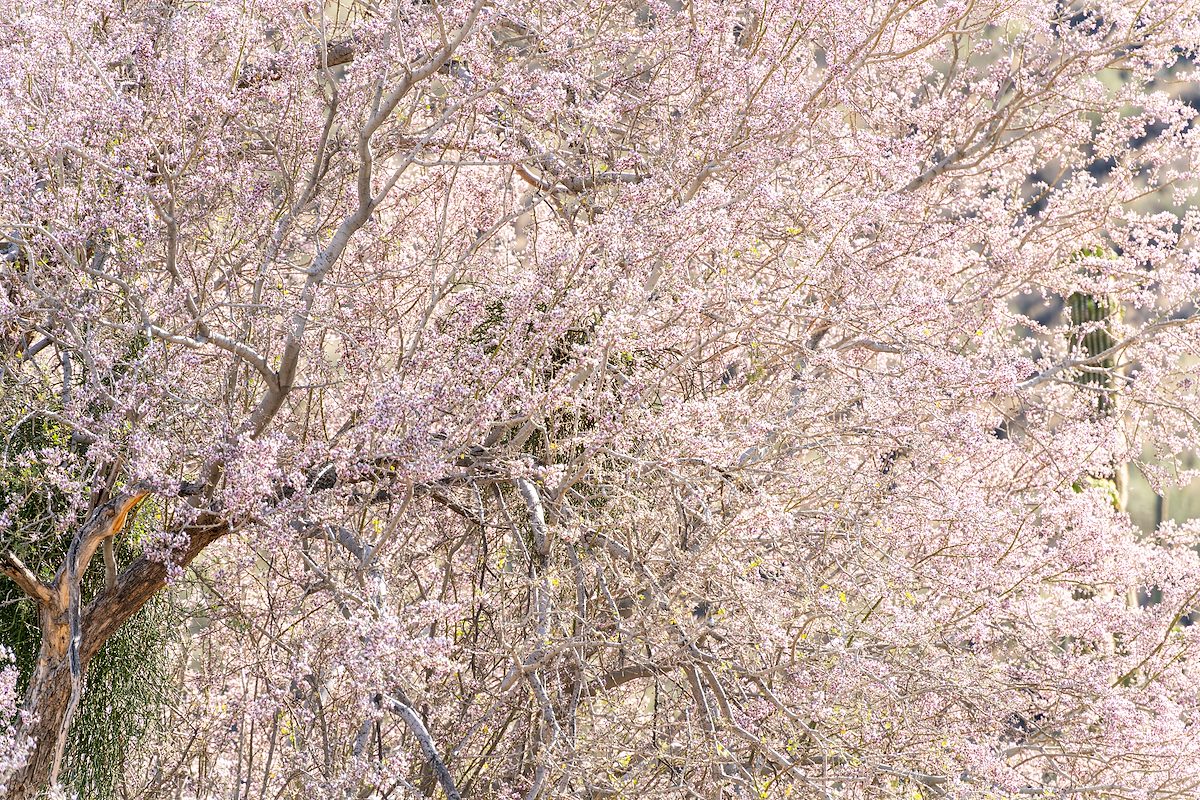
column 31, row 499
column 126, row 683
column 1107, row 485
column 131, row 668
column 485, row 330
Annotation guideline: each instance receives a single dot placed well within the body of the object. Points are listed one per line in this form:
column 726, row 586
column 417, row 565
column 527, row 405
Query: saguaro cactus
column 1093, row 318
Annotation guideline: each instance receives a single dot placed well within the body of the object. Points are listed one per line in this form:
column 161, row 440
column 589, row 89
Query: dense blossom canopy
column 546, row 398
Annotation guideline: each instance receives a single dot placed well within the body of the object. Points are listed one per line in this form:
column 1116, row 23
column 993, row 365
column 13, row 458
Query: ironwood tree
column 540, row 398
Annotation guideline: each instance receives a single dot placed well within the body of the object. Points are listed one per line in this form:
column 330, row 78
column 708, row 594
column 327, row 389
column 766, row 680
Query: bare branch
column 537, row 516
column 1098, row 358
column 413, row 720
column 15, row 569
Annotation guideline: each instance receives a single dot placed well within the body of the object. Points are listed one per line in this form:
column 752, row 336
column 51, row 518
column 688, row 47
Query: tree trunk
column 49, row 695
